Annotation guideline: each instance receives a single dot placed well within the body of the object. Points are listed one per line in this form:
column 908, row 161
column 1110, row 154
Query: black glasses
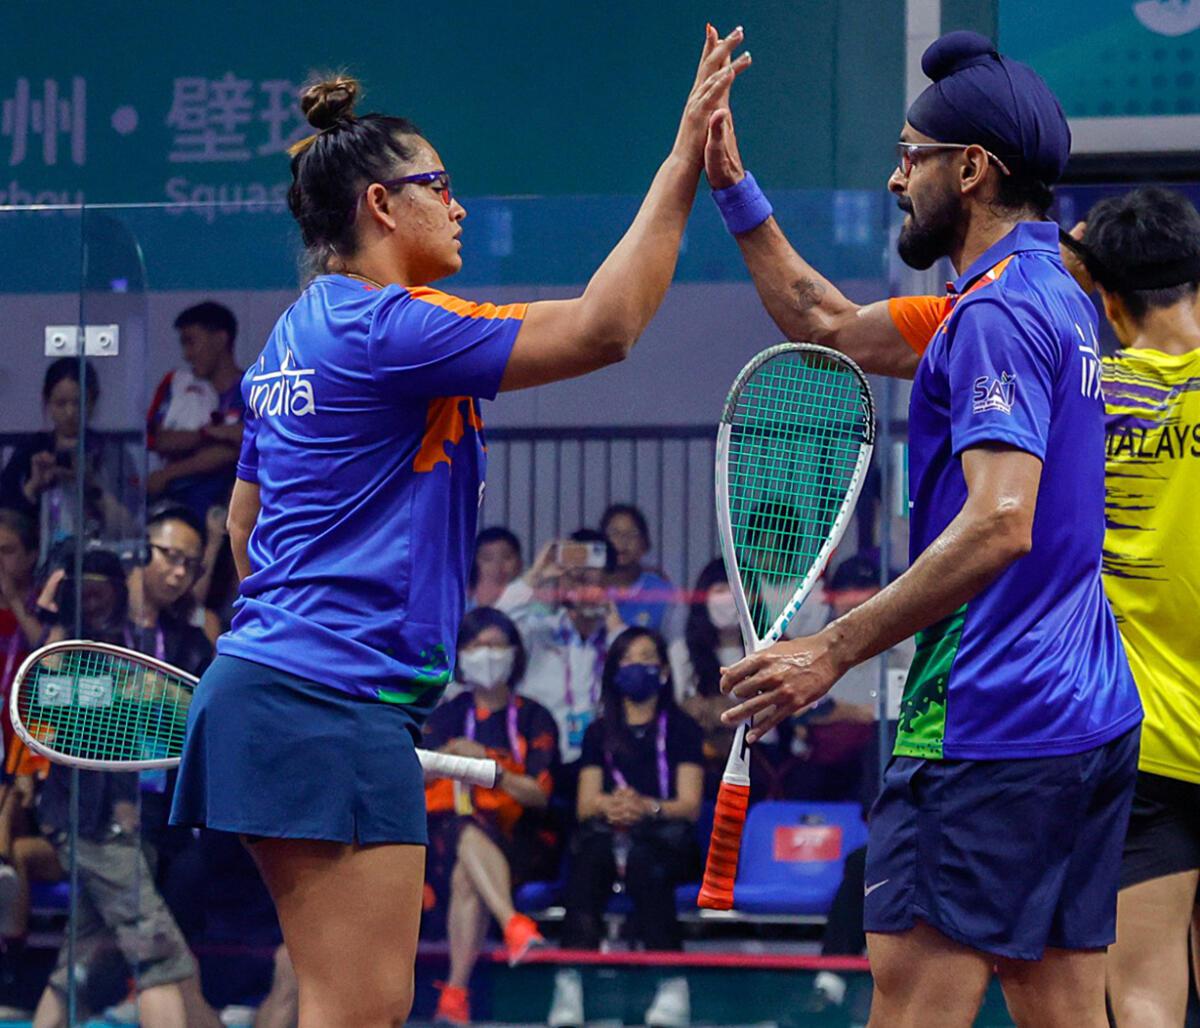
column 907, row 154
column 438, row 181
column 179, row 559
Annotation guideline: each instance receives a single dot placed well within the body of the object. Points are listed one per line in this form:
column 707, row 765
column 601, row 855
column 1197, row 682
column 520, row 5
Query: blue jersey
column 1033, row 665
column 364, row 435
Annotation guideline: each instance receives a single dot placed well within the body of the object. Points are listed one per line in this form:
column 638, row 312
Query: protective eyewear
column 907, row 154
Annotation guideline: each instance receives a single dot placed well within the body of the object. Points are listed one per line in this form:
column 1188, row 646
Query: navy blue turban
column 977, row 96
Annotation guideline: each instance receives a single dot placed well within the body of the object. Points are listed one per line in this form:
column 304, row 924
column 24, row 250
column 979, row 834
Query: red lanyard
column 514, row 740
column 664, row 781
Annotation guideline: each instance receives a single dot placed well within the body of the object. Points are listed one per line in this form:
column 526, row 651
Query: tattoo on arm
column 809, row 293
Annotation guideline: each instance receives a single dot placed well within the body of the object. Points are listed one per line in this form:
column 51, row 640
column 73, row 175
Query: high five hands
column 710, row 91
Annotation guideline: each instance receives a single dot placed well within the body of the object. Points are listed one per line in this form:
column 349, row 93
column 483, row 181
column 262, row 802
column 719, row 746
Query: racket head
column 794, row 443
column 793, row 447
column 102, row 707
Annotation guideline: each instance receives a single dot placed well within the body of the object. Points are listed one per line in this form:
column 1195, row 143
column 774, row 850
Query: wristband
column 743, row 205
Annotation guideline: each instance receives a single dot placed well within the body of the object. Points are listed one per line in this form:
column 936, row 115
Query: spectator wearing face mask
column 481, row 840
column 712, row 640
column 561, row 608
column 640, row 790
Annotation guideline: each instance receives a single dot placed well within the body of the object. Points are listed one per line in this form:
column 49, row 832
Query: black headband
column 1135, row 277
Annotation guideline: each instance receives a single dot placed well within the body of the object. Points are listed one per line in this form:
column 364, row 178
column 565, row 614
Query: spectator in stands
column 39, row 479
column 820, row 754
column 20, row 631
column 481, row 840
column 561, row 608
column 216, row 587
column 644, row 598
column 117, row 895
column 712, row 640
column 162, row 625
column 497, row 563
column 640, row 792
column 195, row 419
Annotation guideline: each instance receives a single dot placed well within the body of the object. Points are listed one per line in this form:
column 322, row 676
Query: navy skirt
column 271, row 754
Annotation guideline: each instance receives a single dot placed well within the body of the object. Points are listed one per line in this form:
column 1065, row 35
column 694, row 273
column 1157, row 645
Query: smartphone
column 570, row 554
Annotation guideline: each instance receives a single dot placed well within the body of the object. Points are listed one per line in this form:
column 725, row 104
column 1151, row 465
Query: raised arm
column 805, row 305
column 565, row 338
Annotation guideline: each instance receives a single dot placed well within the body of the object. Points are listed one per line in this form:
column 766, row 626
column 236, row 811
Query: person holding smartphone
column 562, row 609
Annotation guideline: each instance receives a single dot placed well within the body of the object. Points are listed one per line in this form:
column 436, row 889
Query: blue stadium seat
column 792, row 855
column 50, row 897
column 535, row 896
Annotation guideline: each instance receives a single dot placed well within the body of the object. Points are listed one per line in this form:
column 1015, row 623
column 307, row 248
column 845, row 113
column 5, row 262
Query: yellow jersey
column 1152, row 544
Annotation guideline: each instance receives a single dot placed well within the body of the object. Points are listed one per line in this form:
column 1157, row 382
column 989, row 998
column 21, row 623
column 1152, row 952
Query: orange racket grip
column 720, row 869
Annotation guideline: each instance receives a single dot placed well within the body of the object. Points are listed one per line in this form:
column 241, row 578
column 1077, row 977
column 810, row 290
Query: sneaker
column 566, row 1010
column 832, row 986
column 453, row 1005
column 520, row 936
column 672, row 1006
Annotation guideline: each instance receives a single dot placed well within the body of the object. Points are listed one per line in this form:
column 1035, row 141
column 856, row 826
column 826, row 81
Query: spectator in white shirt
column 562, row 610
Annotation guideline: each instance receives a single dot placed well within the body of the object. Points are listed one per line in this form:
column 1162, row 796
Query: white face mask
column 486, row 666
column 722, row 611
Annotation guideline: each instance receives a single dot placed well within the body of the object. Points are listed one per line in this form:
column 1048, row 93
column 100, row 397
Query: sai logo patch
column 994, row 393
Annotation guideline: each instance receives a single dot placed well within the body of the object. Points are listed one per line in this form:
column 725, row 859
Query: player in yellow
column 1144, row 255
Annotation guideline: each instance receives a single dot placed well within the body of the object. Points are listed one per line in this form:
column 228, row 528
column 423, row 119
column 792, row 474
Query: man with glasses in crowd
column 996, row 841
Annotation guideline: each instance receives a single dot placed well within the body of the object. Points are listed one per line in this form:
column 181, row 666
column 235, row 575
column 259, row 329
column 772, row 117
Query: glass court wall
column 116, row 896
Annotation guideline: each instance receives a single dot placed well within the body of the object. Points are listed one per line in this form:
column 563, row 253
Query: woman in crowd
column 711, row 640
column 497, row 562
column 643, row 597
column 481, row 840
column 39, row 479
column 640, row 789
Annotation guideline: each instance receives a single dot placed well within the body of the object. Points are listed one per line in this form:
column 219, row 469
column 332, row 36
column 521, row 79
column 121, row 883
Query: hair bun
column 326, row 103
column 954, row 50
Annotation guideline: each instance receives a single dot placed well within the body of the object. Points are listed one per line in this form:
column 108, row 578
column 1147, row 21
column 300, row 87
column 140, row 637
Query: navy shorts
column 271, row 754
column 1005, row 856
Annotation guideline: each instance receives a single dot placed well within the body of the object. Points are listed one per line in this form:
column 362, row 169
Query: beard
column 926, row 239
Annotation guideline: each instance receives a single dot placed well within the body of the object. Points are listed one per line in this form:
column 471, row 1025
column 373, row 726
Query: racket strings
column 797, row 430
column 92, row 705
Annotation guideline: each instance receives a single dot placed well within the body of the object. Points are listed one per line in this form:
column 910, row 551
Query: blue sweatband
column 743, row 205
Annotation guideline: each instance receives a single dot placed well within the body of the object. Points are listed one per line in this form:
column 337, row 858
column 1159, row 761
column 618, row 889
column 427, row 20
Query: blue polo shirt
column 1033, row 665
column 364, row 435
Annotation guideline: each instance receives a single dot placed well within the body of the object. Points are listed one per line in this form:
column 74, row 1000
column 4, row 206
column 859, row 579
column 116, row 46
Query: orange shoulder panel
column 917, row 317
column 465, row 308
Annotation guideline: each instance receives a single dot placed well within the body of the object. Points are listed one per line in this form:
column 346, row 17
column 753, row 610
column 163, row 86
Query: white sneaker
column 672, row 1006
column 832, row 987
column 566, row 1010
